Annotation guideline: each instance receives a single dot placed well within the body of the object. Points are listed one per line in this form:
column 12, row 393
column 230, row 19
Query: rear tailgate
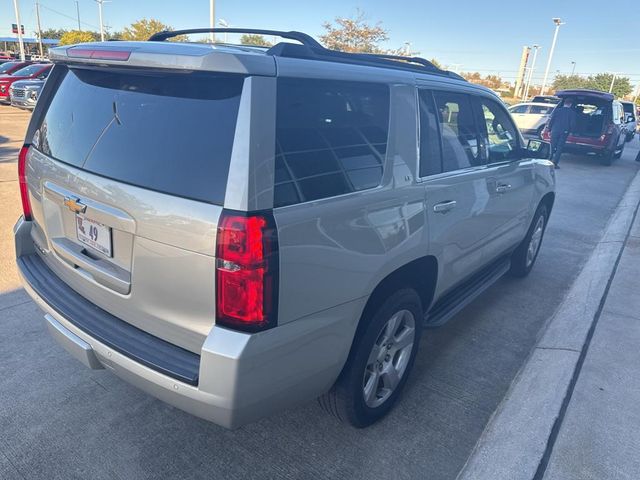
column 127, row 174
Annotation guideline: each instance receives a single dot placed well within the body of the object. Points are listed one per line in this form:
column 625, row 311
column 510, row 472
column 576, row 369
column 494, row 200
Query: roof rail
column 397, row 62
column 303, row 38
column 311, row 49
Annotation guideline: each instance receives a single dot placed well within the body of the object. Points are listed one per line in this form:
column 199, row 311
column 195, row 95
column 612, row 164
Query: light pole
column 100, row 2
column 573, row 68
column 78, row 14
column 39, row 29
column 558, row 22
column 530, row 77
column 212, row 19
column 613, row 80
column 17, row 9
column 223, row 23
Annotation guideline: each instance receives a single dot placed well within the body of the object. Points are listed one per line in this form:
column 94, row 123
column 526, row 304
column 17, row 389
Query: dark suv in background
column 600, row 124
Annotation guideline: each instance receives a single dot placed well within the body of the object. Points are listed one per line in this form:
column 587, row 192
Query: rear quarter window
column 331, row 138
column 169, row 132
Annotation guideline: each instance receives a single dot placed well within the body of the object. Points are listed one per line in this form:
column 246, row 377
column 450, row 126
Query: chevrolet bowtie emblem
column 74, row 204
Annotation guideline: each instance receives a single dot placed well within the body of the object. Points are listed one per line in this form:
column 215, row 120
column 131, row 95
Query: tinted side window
column 520, row 109
column 458, row 131
column 541, row 110
column 499, row 133
column 331, row 138
column 430, row 155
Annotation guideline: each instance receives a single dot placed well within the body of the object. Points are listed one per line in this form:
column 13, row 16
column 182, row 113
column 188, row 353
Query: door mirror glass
column 629, row 118
column 538, row 149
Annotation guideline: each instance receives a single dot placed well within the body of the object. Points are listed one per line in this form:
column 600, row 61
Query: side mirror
column 629, row 118
column 538, row 149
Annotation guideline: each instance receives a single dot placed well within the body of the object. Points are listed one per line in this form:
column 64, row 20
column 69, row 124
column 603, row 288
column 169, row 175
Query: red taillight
column 99, row 53
column 246, row 271
column 22, row 179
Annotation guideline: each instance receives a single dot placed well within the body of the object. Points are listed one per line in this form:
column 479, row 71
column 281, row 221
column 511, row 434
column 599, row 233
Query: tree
column 144, row 28
column 602, row 81
column 77, row 36
column 357, row 36
column 563, row 82
column 55, row 33
column 258, row 40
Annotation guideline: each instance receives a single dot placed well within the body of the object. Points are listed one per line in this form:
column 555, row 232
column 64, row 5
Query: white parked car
column 531, row 117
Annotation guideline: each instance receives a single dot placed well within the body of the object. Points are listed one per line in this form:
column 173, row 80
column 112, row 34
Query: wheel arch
column 548, row 199
column 420, row 274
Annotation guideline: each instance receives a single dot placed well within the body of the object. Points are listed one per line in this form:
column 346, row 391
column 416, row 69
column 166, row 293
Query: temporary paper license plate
column 94, row 234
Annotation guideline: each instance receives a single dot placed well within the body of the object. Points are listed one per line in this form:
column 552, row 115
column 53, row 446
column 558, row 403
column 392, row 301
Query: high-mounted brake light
column 22, row 179
column 246, row 271
column 99, row 53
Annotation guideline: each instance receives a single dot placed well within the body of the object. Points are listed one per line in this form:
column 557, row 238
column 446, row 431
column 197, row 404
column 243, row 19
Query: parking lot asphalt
column 60, row 420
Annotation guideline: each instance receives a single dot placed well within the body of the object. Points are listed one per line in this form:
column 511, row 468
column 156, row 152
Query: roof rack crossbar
column 303, row 38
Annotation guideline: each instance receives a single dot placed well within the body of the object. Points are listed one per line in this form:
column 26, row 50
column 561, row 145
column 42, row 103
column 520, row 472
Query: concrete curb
column 514, row 441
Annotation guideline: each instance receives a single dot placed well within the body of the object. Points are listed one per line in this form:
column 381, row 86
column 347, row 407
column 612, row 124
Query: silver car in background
column 24, row 93
column 237, row 230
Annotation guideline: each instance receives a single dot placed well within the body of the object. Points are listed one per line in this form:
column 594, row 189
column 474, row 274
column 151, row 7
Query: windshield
column 27, row 71
column 5, row 67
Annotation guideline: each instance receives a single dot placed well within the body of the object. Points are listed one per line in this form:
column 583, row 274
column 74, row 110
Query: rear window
column 331, row 138
column 169, row 132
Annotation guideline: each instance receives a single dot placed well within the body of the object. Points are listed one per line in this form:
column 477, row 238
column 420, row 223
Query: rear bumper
column 241, row 377
column 584, row 148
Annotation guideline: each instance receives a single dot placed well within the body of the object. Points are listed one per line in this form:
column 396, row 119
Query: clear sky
column 463, row 34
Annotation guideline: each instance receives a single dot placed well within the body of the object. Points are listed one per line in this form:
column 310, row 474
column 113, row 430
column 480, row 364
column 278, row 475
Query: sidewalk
column 599, row 437
column 573, row 411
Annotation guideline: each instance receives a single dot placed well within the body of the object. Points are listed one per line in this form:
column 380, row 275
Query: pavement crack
column 99, row 384
column 14, row 305
column 564, row 349
column 13, row 465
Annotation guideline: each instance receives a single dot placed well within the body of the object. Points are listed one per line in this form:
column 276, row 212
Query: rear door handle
column 503, row 187
column 444, row 207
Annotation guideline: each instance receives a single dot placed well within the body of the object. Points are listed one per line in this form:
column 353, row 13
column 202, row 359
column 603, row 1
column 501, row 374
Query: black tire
column 619, row 154
column 520, row 263
column 346, row 399
column 607, row 159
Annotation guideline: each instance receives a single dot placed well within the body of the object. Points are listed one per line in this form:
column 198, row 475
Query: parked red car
column 600, row 124
column 36, row 70
column 10, row 66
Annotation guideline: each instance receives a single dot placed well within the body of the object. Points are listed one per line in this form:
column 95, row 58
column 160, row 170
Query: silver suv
column 237, row 229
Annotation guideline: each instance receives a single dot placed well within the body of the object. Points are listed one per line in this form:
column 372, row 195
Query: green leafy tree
column 602, row 81
column 357, row 36
column 145, row 27
column 54, row 33
column 257, row 40
column 564, row 82
column 77, row 36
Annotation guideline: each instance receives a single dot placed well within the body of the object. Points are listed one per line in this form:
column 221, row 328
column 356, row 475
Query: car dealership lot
column 60, row 420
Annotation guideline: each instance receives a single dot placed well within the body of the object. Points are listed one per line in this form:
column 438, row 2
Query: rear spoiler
column 173, row 56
